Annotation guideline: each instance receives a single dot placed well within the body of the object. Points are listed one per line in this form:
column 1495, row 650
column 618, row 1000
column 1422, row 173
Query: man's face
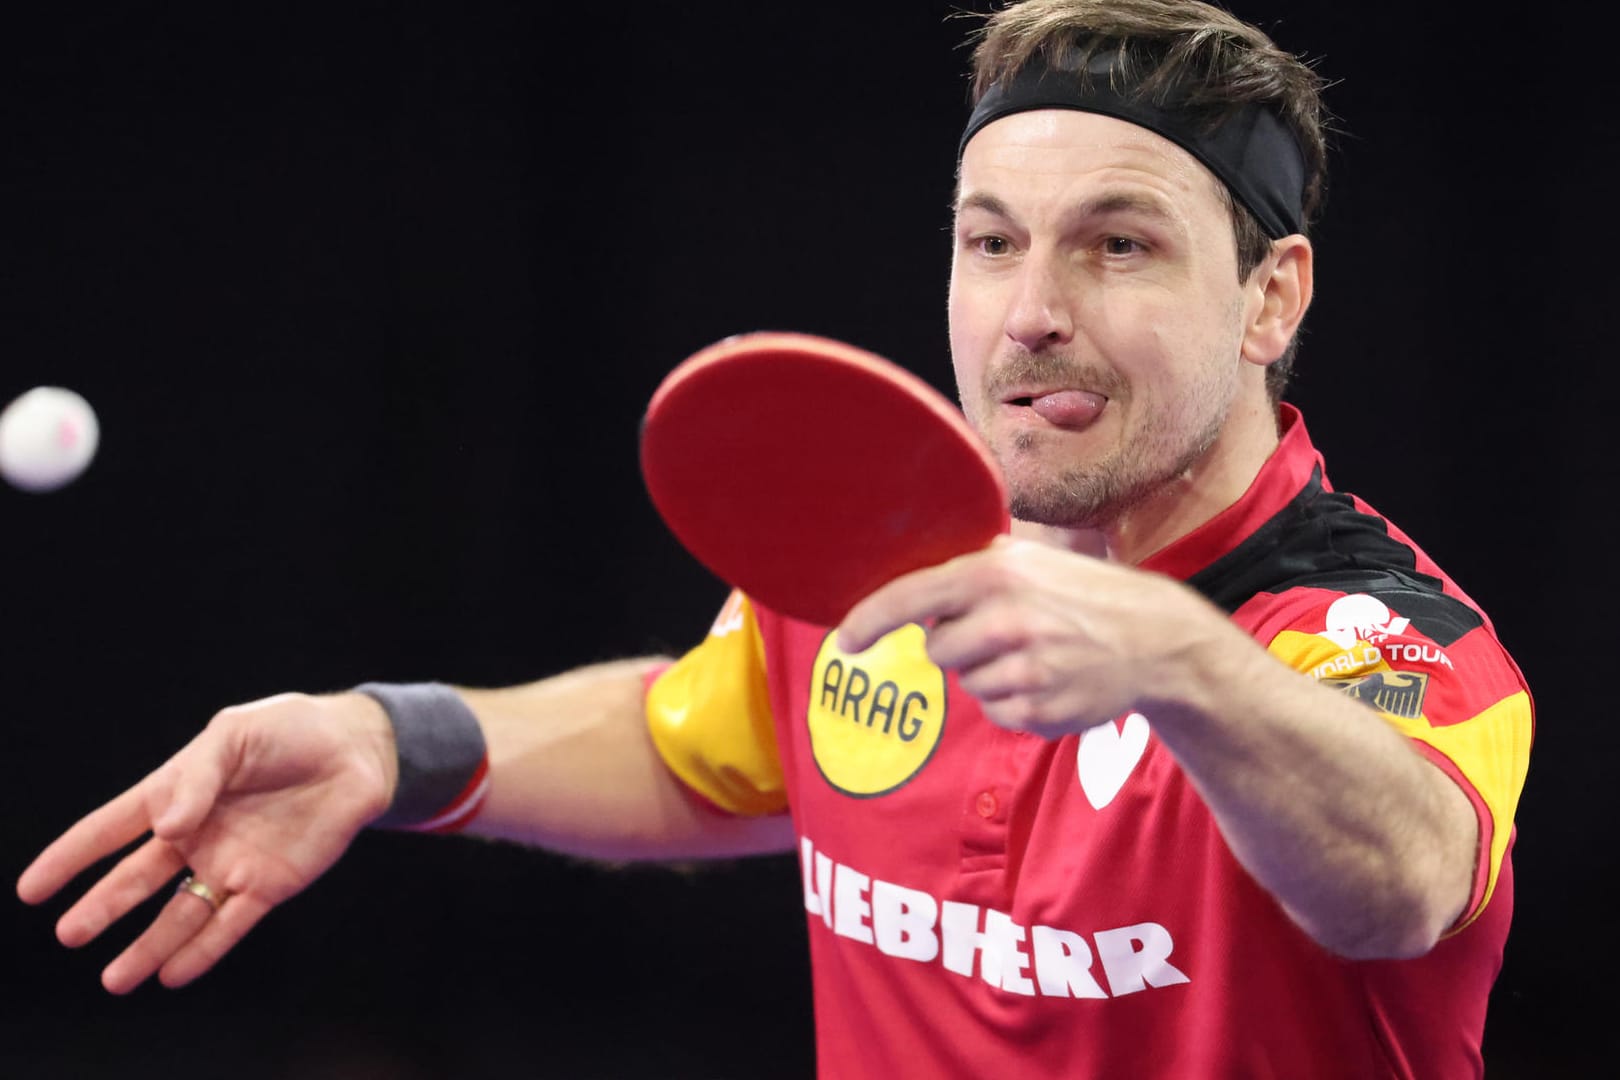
column 1096, row 316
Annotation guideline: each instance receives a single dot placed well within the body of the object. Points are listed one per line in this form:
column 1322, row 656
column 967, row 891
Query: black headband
column 1252, row 151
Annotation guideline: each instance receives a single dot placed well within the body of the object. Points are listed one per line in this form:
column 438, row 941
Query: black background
column 369, row 298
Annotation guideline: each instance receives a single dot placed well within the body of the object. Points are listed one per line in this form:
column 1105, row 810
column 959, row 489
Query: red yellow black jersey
column 984, row 902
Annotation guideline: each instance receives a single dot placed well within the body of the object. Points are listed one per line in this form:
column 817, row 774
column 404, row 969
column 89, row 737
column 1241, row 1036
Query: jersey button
column 986, row 804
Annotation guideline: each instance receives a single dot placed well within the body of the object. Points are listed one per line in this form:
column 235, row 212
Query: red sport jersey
column 990, row 903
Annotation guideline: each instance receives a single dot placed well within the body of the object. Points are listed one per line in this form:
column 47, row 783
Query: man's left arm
column 1370, row 847
column 1367, row 845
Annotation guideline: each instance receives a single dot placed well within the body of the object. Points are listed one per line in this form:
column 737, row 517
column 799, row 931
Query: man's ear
column 1280, row 289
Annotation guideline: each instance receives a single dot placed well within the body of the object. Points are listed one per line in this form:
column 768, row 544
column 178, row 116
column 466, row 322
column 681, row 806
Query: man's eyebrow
column 1122, row 202
column 980, row 200
column 1116, row 202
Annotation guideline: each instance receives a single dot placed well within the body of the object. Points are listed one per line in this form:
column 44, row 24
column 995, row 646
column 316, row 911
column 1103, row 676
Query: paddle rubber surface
column 807, row 472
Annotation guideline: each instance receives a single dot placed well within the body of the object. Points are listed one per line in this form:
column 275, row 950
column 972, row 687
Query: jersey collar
column 1284, row 474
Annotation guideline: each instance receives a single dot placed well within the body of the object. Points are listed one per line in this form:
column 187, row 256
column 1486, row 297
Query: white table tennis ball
column 47, row 438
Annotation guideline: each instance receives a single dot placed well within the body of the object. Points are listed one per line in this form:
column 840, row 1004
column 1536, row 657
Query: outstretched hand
column 258, row 805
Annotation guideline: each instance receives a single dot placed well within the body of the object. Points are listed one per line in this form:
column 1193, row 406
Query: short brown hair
column 1220, row 63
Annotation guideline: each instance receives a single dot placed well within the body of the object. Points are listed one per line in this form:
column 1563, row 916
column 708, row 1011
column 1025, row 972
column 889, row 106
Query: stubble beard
column 1098, row 494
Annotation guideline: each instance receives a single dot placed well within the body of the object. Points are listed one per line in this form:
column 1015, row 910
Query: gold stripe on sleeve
column 1491, row 749
column 710, row 717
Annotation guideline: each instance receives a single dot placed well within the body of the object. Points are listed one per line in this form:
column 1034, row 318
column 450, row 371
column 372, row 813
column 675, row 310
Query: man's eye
column 1121, row 245
column 992, row 245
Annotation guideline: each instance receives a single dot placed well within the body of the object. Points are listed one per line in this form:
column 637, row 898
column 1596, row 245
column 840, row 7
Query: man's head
column 1129, row 267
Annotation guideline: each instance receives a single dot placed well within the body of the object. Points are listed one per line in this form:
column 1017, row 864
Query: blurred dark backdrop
column 370, row 296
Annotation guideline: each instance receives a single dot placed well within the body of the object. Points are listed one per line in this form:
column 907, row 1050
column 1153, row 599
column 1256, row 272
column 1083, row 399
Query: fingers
column 188, row 785
column 237, row 915
column 95, row 836
column 180, row 920
column 177, row 803
column 971, row 641
column 188, row 937
column 1005, row 676
column 932, row 593
column 137, row 877
column 172, row 802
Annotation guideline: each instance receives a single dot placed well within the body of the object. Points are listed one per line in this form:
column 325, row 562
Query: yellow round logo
column 876, row 718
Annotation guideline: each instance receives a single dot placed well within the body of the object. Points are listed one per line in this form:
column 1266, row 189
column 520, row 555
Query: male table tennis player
column 1208, row 771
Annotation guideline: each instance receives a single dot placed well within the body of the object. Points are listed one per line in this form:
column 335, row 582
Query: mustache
column 1024, row 368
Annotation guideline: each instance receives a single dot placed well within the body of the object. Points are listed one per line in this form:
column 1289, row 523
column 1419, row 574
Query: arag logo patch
column 875, row 719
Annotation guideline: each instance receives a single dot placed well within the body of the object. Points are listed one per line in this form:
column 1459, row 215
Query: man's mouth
column 1072, row 410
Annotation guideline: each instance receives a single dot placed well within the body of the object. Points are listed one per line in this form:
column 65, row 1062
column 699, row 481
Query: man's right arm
column 573, row 769
column 270, row 794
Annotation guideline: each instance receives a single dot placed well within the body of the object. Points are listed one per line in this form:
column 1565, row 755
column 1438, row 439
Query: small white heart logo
column 1107, row 756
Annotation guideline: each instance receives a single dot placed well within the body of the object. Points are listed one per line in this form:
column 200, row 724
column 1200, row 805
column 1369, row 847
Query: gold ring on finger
column 196, row 888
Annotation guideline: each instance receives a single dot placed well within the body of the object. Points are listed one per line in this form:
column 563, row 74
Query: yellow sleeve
column 710, row 717
column 1463, row 706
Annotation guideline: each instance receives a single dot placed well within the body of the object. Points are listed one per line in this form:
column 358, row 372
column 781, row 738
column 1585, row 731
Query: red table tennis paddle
column 807, row 472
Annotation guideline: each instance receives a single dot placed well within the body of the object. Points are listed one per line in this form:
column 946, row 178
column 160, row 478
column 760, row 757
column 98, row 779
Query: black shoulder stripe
column 1441, row 618
column 1320, row 540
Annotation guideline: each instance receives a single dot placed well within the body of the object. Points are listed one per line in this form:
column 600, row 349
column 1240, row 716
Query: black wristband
column 443, row 762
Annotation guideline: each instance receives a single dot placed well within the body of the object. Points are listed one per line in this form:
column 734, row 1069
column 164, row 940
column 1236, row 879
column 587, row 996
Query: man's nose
column 1040, row 314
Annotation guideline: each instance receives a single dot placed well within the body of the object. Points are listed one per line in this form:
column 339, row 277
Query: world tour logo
column 875, row 718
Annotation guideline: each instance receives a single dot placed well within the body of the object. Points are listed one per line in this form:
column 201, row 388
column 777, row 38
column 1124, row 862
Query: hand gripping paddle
column 807, row 472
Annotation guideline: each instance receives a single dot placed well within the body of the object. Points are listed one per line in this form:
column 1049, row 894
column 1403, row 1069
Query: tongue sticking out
column 1073, row 409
